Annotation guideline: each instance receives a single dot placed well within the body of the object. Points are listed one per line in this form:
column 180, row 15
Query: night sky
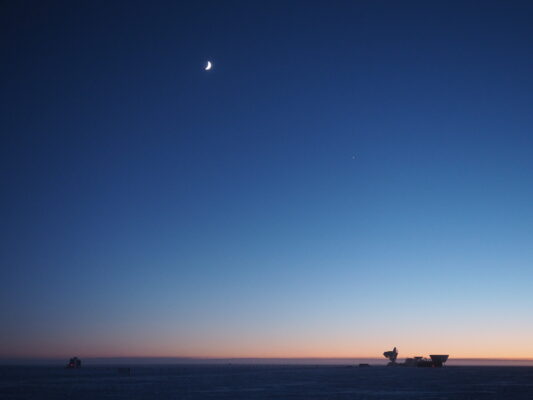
column 349, row 177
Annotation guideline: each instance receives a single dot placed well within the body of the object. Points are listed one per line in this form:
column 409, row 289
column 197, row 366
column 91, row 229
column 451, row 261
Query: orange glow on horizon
column 302, row 344
column 325, row 354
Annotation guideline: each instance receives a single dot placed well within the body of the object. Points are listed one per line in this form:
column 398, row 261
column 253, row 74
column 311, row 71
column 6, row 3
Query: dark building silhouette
column 74, row 363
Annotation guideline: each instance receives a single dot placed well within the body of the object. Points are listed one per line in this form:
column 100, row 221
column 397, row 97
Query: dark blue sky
column 346, row 170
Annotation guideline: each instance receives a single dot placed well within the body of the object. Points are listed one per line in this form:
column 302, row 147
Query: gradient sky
column 350, row 176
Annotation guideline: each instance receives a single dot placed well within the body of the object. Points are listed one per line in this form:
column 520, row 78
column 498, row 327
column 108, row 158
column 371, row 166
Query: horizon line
column 215, row 358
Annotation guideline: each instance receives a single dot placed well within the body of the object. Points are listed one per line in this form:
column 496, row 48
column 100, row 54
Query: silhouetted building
column 438, row 360
column 74, row 363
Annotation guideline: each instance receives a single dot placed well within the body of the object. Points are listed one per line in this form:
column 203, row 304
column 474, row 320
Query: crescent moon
column 208, row 66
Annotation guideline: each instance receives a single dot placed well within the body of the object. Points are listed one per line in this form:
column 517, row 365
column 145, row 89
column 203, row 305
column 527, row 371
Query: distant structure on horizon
column 74, row 363
column 391, row 355
column 434, row 360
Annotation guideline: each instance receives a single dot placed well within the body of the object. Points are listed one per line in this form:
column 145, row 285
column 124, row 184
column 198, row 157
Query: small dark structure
column 364, row 365
column 418, row 361
column 438, row 360
column 74, row 363
column 392, row 356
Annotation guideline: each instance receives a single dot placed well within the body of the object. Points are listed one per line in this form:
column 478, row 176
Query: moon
column 208, row 66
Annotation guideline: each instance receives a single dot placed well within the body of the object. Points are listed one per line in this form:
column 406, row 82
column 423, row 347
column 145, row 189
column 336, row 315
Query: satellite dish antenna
column 391, row 355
